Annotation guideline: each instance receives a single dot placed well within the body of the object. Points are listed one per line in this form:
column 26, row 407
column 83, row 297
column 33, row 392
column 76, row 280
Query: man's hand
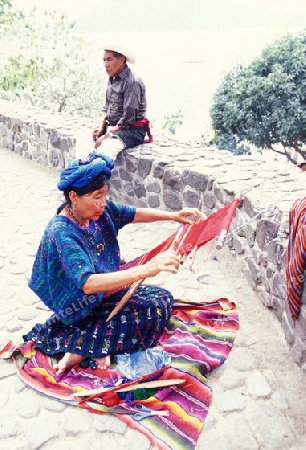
column 103, row 138
column 99, row 141
column 97, row 133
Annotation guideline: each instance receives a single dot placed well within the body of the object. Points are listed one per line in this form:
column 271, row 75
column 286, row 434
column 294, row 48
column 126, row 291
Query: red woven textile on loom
column 190, row 236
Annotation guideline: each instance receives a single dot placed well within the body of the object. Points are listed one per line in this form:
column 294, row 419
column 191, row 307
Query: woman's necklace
column 74, row 218
column 91, row 236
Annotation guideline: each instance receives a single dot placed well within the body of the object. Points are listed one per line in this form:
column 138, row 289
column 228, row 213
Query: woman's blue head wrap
column 81, row 172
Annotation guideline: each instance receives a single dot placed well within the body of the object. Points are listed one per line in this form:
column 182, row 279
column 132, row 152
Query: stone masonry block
column 144, row 166
column 195, row 180
column 173, row 179
column 158, row 169
column 172, row 199
column 192, row 199
column 266, row 231
column 209, row 200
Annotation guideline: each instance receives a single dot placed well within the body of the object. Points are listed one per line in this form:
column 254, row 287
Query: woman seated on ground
column 77, row 273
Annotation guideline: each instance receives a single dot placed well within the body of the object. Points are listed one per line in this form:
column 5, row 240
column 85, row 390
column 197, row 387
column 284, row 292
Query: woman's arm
column 186, row 215
column 167, row 261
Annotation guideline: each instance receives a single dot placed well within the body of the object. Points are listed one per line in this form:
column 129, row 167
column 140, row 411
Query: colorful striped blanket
column 296, row 256
column 198, row 338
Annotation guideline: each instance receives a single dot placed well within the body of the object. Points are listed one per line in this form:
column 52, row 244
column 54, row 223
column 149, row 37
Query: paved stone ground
column 258, row 394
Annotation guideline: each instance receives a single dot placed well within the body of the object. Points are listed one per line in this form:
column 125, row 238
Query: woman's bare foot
column 103, row 363
column 69, row 360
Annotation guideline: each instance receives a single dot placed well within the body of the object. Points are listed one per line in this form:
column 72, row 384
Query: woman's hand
column 167, row 261
column 188, row 215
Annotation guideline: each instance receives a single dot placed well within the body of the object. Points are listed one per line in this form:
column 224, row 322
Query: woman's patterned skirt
column 136, row 327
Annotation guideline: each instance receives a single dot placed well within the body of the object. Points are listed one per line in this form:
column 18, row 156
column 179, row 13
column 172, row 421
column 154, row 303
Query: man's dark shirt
column 125, row 99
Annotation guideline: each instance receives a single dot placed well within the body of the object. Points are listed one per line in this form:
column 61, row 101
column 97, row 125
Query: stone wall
column 170, row 175
column 46, row 138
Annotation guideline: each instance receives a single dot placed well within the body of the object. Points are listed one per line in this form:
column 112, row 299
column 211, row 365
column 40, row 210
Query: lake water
column 182, row 69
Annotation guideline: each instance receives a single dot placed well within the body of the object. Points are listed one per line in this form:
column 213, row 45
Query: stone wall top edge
column 61, row 122
column 237, row 173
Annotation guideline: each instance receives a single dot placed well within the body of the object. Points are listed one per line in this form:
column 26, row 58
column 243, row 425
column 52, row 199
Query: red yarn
column 110, row 399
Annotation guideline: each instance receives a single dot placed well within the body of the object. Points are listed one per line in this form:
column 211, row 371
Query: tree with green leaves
column 264, row 103
column 3, row 4
column 44, row 63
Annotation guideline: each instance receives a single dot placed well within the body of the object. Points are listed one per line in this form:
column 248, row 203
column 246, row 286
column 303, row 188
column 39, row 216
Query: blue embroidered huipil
column 68, row 255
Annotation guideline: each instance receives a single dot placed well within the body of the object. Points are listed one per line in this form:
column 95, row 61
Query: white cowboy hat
column 116, row 48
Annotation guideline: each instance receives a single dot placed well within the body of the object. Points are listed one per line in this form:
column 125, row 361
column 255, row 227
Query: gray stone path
column 258, row 394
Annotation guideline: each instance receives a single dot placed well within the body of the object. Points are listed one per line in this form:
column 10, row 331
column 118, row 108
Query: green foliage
column 45, row 64
column 264, row 103
column 172, row 121
column 3, row 5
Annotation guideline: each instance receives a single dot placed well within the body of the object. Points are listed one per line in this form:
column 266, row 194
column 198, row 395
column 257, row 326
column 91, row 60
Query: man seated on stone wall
column 124, row 123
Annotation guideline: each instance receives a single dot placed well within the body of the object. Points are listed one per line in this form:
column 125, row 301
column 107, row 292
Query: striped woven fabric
column 198, row 338
column 296, row 256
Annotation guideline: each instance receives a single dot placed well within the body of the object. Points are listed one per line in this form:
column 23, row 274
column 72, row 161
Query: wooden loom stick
column 123, row 388
column 221, row 238
column 125, row 299
column 224, row 231
column 136, row 284
column 130, row 383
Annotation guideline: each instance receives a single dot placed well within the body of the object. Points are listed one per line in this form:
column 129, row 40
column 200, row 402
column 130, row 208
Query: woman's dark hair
column 101, row 180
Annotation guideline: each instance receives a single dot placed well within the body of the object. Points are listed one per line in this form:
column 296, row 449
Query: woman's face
column 91, row 206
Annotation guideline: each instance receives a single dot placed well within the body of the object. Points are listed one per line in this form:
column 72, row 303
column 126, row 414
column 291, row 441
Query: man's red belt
column 144, row 122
